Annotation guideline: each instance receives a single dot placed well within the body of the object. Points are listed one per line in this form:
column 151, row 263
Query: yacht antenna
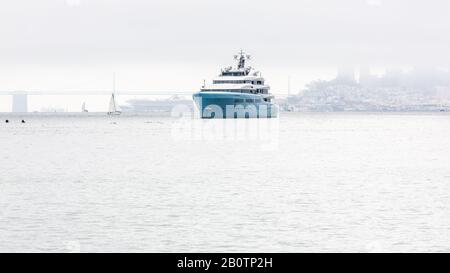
column 242, row 58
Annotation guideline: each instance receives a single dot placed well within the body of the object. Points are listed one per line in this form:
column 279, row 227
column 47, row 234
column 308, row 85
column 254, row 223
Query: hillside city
column 416, row 90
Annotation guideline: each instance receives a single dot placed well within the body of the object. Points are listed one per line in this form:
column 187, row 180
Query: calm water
column 303, row 182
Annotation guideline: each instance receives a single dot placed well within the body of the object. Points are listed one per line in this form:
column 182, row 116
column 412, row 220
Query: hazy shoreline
column 168, row 114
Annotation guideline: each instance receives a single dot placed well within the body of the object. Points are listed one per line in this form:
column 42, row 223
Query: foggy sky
column 174, row 45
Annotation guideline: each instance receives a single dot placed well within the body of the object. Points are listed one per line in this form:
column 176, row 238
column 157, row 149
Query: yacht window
column 249, row 100
column 238, row 101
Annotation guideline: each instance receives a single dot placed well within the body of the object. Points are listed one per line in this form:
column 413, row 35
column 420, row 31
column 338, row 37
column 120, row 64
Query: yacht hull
column 234, row 105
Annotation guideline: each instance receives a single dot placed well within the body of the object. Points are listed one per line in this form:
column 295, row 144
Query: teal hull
column 233, row 105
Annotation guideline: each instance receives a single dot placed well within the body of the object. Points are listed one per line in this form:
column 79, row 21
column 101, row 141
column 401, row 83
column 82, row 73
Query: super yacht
column 238, row 92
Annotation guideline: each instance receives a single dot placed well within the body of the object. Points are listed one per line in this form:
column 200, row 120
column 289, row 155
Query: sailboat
column 113, row 107
column 112, row 102
column 83, row 108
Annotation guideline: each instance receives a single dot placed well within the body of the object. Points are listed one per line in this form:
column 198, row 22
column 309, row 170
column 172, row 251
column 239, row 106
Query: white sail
column 112, row 104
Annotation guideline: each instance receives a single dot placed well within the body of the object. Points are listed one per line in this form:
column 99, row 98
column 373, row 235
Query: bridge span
column 96, row 92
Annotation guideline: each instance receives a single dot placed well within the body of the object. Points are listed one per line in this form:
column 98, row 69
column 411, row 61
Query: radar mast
column 241, row 57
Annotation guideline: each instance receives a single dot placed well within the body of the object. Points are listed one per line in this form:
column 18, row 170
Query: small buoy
column 23, row 121
column 7, row 121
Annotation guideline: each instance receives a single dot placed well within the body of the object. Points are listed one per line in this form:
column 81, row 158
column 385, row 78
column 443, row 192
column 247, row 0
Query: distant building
column 20, row 102
column 162, row 105
column 365, row 76
column 51, row 109
column 443, row 93
column 346, row 75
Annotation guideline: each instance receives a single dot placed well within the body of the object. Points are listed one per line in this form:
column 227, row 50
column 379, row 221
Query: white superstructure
column 241, row 79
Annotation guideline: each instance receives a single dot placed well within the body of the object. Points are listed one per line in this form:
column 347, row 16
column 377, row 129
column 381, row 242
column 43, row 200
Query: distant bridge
column 20, row 98
column 97, row 92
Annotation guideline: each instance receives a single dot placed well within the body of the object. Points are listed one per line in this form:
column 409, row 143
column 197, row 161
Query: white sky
column 175, row 44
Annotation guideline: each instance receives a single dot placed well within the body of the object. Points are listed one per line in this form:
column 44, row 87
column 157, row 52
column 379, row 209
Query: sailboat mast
column 114, row 82
column 112, row 103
